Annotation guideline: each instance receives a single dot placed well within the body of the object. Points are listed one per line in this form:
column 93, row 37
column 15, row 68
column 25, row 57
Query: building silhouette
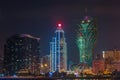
column 21, row 51
column 86, row 39
column 58, row 51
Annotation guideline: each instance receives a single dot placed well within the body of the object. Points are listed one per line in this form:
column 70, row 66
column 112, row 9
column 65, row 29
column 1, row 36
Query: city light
column 87, row 40
column 58, row 51
column 46, row 65
column 59, row 25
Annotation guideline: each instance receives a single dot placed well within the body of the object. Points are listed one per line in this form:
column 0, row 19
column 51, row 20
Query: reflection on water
column 64, row 78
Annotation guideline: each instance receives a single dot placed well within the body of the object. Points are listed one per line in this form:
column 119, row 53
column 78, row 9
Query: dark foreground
column 63, row 78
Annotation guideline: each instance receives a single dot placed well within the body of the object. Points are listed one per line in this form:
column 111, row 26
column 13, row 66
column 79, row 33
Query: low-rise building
column 112, row 59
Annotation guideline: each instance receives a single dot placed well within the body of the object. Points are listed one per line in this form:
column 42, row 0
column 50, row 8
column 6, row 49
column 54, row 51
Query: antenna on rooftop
column 86, row 10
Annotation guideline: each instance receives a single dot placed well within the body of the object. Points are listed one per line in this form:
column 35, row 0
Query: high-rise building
column 58, row 51
column 21, row 51
column 86, row 39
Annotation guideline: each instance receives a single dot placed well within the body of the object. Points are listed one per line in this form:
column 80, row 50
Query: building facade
column 98, row 66
column 45, row 64
column 58, row 51
column 21, row 51
column 112, row 59
column 86, row 39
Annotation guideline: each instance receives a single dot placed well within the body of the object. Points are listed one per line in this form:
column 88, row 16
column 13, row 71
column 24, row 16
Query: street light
column 45, row 65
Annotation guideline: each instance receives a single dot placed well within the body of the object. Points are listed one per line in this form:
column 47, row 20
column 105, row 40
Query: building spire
column 86, row 10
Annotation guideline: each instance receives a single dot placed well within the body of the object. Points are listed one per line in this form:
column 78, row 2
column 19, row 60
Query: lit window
column 41, row 66
column 83, row 21
column 88, row 20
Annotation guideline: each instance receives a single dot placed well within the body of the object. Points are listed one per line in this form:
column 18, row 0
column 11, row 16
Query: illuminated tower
column 58, row 51
column 86, row 39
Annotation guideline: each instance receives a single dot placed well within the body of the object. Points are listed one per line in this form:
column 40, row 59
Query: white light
column 103, row 54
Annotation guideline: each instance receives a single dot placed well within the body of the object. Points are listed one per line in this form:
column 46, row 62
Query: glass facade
column 19, row 52
column 58, row 52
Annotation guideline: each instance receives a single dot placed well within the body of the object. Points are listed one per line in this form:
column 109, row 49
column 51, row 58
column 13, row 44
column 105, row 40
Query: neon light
column 59, row 51
column 55, row 54
column 59, row 61
column 87, row 40
column 59, row 25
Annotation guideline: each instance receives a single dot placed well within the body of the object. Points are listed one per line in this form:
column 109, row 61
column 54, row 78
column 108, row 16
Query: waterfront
column 60, row 78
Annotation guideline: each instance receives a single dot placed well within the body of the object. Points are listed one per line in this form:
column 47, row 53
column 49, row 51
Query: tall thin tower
column 58, row 51
column 86, row 39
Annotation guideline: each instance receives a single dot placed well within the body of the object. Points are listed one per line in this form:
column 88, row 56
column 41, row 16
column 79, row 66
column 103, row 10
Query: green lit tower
column 86, row 39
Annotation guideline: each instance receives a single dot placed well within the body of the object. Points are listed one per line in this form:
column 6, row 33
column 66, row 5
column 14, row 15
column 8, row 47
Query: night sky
column 40, row 17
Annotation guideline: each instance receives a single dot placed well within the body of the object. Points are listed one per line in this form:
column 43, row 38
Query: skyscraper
column 58, row 51
column 20, row 52
column 86, row 39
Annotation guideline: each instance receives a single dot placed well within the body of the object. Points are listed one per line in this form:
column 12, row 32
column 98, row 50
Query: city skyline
column 39, row 18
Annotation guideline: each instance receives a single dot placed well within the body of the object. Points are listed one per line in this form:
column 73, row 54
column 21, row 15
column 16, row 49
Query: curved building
column 86, row 39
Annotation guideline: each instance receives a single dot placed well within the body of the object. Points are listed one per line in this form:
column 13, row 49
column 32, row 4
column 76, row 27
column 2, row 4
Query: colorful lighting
column 86, row 39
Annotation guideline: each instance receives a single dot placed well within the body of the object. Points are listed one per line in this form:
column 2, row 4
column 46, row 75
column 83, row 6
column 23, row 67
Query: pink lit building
column 98, row 65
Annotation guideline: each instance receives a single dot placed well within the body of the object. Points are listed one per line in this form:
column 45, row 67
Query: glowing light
column 41, row 66
column 45, row 65
column 103, row 54
column 88, row 20
column 83, row 21
column 59, row 25
column 86, row 39
column 58, row 51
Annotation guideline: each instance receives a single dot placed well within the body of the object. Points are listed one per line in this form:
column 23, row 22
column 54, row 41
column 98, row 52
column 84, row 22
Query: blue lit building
column 58, row 51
